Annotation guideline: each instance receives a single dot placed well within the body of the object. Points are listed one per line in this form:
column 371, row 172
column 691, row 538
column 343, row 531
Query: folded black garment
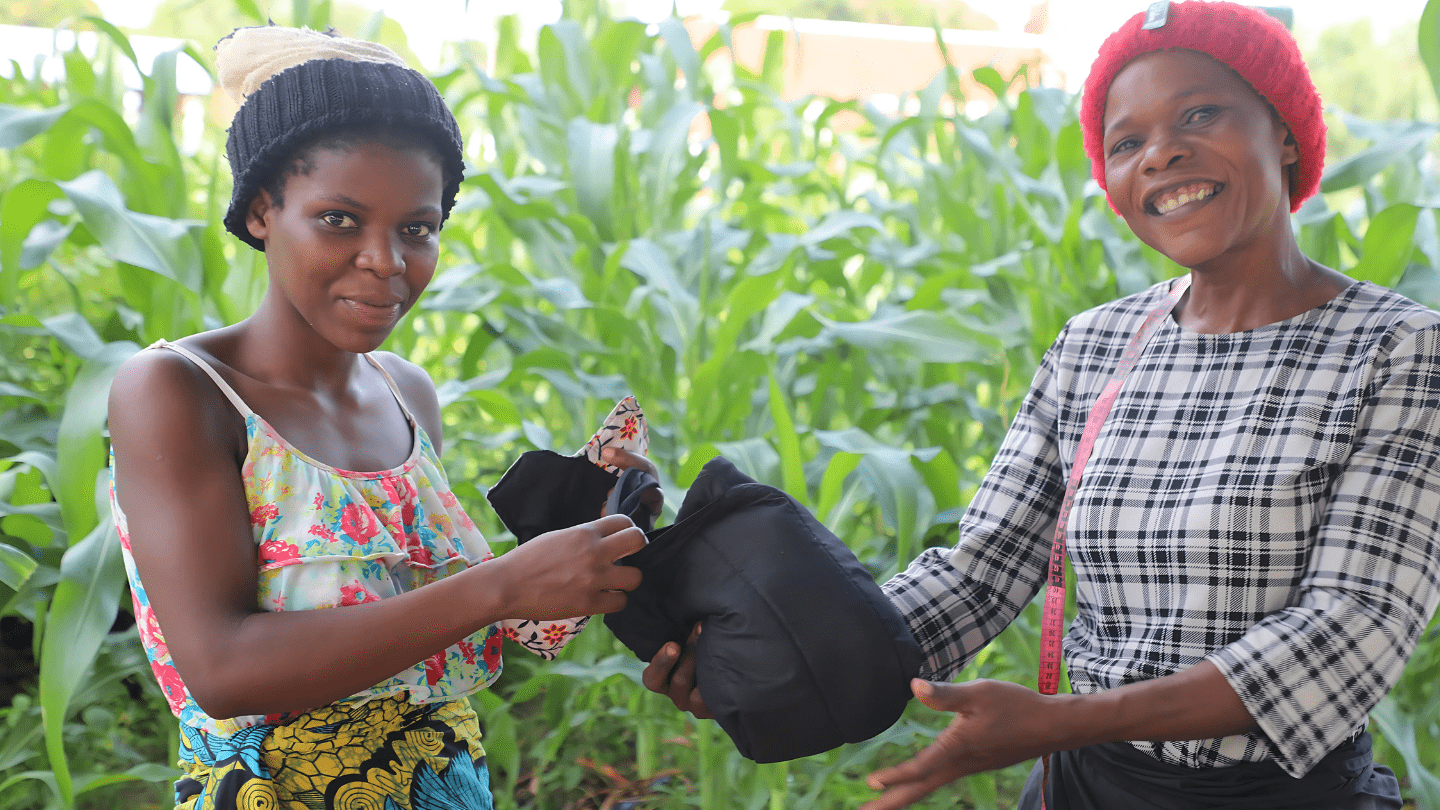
column 799, row 650
column 544, row 491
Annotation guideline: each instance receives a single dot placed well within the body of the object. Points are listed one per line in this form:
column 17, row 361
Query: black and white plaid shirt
column 1269, row 500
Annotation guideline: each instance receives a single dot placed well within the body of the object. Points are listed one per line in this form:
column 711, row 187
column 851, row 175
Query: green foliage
column 922, row 13
column 1342, row 63
column 847, row 304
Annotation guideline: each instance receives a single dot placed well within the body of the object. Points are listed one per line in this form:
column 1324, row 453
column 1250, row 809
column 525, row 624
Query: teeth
column 1188, row 196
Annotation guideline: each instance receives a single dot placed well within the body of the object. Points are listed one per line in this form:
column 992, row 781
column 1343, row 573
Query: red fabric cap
column 1251, row 42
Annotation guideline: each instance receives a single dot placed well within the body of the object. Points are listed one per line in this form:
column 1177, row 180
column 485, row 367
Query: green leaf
column 592, row 171
column 993, row 81
column 928, row 336
column 832, row 483
column 677, row 39
column 1360, row 167
column 15, row 566
column 1389, row 243
column 76, row 333
column 1400, row 731
column 81, row 613
column 1429, row 44
column 792, row 470
column 841, row 223
column 18, row 125
column 80, row 448
column 41, row 242
column 754, row 457
column 668, row 152
column 906, row 504
column 165, row 246
column 23, row 206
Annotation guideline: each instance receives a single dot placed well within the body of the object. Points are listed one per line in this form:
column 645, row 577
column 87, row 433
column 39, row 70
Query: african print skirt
column 382, row 754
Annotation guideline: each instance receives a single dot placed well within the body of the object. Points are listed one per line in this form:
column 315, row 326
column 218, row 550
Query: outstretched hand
column 996, row 724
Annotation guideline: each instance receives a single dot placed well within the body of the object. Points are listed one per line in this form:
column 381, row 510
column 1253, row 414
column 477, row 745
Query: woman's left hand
column 624, row 459
column 996, row 724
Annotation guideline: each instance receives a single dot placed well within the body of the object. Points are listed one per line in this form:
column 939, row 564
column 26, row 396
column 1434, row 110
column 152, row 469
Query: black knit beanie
column 319, row 95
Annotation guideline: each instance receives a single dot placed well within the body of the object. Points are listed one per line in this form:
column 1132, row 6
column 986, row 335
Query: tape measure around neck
column 1052, row 622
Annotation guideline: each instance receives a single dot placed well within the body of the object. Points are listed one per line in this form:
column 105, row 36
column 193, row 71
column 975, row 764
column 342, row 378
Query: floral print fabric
column 625, row 428
column 382, row 754
column 330, row 538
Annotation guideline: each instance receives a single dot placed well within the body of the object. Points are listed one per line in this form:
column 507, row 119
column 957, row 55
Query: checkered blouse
column 1267, row 499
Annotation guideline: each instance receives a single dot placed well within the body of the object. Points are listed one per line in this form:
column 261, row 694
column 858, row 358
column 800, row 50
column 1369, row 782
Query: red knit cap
column 1251, row 42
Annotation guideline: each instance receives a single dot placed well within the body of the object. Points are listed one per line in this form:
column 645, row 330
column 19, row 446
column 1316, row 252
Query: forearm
column 298, row 660
column 1194, row 704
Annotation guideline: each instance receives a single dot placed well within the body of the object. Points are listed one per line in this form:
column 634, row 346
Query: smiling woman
column 1201, row 174
column 268, row 469
column 1243, row 465
column 1254, row 532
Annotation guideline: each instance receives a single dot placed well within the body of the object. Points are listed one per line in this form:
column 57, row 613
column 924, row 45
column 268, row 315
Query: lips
column 1170, row 199
column 377, row 309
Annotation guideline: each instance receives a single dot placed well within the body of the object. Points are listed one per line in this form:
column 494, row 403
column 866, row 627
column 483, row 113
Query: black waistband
column 1118, row 775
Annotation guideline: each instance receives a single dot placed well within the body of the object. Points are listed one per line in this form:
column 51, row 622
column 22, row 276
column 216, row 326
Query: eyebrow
column 350, row 202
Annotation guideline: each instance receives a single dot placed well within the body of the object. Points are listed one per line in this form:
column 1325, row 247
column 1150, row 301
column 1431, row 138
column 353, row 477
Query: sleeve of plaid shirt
column 1311, row 672
column 956, row 600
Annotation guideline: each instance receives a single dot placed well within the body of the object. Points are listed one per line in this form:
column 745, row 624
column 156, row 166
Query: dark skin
column 349, row 253
column 1198, row 165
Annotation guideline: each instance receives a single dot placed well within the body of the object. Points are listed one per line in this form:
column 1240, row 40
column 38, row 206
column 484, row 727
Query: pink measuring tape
column 1052, row 621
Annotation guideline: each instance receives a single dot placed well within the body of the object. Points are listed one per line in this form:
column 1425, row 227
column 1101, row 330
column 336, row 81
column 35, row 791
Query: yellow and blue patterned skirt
column 383, row 754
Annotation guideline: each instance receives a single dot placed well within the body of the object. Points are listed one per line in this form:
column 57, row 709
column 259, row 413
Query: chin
column 360, row 344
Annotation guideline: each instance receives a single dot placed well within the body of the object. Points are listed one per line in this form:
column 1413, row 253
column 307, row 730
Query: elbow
column 217, row 687
column 215, row 698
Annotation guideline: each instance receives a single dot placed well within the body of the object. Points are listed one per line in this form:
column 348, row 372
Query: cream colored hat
column 249, row 56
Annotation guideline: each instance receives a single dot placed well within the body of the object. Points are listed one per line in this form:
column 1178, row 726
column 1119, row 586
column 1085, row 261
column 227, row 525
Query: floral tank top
column 327, row 538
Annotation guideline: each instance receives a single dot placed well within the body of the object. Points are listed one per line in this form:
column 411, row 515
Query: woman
column 315, row 603
column 1255, row 533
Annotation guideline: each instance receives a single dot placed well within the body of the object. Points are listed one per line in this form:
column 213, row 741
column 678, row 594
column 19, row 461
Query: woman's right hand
column 672, row 673
column 572, row 572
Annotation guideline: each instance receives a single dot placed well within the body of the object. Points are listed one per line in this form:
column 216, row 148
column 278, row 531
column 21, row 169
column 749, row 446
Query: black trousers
column 1116, row 776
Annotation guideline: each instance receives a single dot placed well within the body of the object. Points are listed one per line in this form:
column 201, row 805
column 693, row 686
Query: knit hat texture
column 296, row 84
column 1248, row 41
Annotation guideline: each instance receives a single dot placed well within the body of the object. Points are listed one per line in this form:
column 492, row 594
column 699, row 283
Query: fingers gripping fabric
column 544, row 491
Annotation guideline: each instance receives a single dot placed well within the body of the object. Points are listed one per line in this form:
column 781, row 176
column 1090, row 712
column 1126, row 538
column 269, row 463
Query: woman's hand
column 672, row 673
column 624, row 459
column 571, row 572
column 996, row 724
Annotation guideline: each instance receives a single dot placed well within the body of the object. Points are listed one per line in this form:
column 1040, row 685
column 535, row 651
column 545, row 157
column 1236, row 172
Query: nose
column 383, row 255
column 1164, row 150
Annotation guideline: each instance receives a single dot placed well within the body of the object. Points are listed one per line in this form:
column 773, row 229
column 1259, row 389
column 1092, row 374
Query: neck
column 278, row 347
column 1263, row 287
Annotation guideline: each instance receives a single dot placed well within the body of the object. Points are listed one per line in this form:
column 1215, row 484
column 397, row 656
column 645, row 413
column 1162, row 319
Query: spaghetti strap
column 394, row 389
column 220, row 383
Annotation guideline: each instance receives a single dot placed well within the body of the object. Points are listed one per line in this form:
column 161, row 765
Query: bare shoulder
column 160, row 397
column 419, row 392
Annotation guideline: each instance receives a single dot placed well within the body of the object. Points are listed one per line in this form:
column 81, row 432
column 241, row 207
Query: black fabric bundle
column 800, row 651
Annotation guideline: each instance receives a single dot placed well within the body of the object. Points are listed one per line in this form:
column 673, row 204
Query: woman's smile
column 376, row 310
column 1174, row 198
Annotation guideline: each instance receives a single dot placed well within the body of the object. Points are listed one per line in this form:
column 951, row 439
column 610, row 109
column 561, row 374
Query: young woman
column 1256, row 533
column 269, row 469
